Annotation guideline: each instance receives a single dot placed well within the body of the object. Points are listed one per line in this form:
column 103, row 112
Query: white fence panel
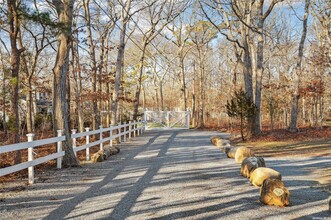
column 132, row 127
column 167, row 119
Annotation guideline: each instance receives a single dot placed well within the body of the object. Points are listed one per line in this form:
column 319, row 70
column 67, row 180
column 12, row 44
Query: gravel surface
column 167, row 175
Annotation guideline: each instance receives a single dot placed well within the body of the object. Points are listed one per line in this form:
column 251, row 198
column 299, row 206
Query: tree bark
column 202, row 89
column 95, row 113
column 182, row 69
column 64, row 10
column 161, row 95
column 248, row 78
column 14, row 28
column 297, row 72
column 259, row 67
column 78, row 85
column 139, row 84
column 102, row 103
column 119, row 61
column 28, row 93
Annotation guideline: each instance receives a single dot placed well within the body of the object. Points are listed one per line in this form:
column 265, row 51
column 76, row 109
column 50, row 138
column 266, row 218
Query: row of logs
column 272, row 189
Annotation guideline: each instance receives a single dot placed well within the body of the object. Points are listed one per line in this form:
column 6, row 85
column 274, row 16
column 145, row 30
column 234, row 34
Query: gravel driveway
column 167, row 175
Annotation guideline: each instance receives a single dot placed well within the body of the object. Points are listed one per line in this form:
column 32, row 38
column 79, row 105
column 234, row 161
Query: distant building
column 43, row 103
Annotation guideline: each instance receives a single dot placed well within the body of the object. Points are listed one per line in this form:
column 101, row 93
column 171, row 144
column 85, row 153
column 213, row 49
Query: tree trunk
column 119, row 61
column 79, row 100
column 321, row 110
column 182, row 68
column 161, row 96
column 14, row 27
column 138, row 89
column 29, row 107
column 271, row 110
column 68, row 96
column 64, row 10
column 157, row 99
column 259, row 67
column 248, row 80
column 103, row 103
column 28, row 93
column 78, row 82
column 194, row 105
column 315, row 111
column 304, row 110
column 242, row 128
column 201, row 93
column 95, row 114
column 297, row 72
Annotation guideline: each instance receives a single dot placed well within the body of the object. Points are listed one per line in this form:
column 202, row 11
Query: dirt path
column 167, row 175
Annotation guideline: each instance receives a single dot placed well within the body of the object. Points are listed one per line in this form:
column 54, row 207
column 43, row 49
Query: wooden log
column 274, row 192
column 243, row 153
column 262, row 173
column 250, row 164
column 98, row 156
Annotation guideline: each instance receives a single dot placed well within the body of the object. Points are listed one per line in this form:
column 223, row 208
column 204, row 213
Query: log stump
column 274, row 192
column 250, row 164
column 243, row 153
column 262, row 173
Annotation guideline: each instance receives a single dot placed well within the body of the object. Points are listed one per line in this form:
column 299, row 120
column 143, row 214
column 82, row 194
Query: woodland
column 68, row 64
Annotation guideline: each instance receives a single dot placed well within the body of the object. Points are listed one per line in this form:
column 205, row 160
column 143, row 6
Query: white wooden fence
column 167, row 119
column 132, row 129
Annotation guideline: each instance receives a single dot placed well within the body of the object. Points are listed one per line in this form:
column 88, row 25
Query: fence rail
column 132, row 128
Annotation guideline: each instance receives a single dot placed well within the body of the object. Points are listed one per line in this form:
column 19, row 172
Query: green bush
column 241, row 107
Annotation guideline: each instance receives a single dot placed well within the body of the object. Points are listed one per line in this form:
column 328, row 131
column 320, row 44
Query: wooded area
column 68, row 64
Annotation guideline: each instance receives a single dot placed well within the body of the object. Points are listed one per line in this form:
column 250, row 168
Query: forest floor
column 306, row 142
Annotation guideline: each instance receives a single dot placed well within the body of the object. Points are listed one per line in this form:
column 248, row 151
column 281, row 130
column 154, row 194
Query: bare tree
column 160, row 71
column 14, row 29
column 95, row 112
column 297, row 71
column 201, row 33
column 125, row 16
column 160, row 15
column 180, row 40
column 251, row 17
column 77, row 75
column 39, row 35
column 64, row 10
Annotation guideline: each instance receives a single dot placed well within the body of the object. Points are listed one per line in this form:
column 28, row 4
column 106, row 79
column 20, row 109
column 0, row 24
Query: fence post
column 101, row 144
column 119, row 133
column 30, row 158
column 87, row 142
column 124, row 131
column 59, row 149
column 134, row 128
column 74, row 143
column 138, row 129
column 168, row 119
column 130, row 124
